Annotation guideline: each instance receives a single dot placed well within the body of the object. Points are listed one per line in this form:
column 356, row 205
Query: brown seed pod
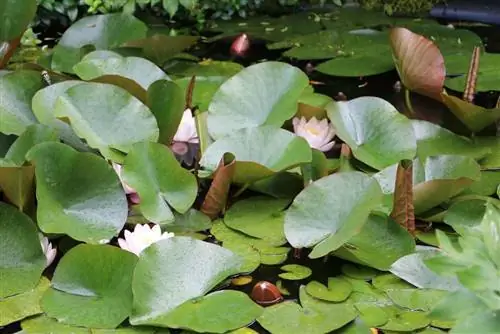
column 266, row 293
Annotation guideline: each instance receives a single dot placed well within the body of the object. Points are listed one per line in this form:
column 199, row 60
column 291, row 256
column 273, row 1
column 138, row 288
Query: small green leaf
column 17, row 185
column 34, row 134
column 250, row 255
column 144, row 170
column 88, row 204
column 491, row 231
column 217, row 312
column 358, row 272
column 22, row 260
column 295, row 272
column 338, row 290
column 44, row 324
column 171, row 6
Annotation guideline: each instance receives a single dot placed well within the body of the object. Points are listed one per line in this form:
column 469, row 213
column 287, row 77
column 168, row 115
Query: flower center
column 312, row 130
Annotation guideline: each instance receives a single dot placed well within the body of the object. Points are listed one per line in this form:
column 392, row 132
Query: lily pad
column 120, row 121
column 144, row 170
column 91, row 287
column 206, row 68
column 191, row 221
column 259, row 152
column 103, row 62
column 330, row 211
column 259, row 217
column 22, row 260
column 358, row 272
column 487, row 74
column 265, row 93
column 15, row 18
column 217, row 312
column 295, row 272
column 100, row 32
column 16, row 91
column 249, row 254
column 337, row 290
column 376, row 132
column 204, row 89
column 87, row 204
column 173, row 271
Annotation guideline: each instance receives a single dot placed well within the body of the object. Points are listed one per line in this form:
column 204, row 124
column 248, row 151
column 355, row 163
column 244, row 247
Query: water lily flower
column 142, row 237
column 132, row 194
column 318, row 134
column 240, row 45
column 186, row 132
column 50, row 253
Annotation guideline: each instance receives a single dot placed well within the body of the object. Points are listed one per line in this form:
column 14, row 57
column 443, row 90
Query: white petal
column 50, row 255
column 327, row 147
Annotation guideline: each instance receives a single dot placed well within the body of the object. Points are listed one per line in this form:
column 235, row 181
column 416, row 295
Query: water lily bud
column 126, row 187
column 142, row 237
column 50, row 253
column 319, row 134
column 266, row 293
column 186, row 132
column 240, row 45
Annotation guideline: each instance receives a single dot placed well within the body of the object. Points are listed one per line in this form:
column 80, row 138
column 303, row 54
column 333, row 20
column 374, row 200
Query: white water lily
column 50, row 253
column 118, row 169
column 186, row 132
column 142, row 237
column 317, row 133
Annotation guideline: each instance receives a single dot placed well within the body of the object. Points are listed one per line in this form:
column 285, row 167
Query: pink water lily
column 142, row 237
column 186, row 132
column 49, row 252
column 131, row 192
column 319, row 134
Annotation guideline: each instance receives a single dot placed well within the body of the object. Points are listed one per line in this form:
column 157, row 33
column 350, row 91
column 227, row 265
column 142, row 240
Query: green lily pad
column 450, row 309
column 376, row 132
column 144, row 170
column 17, row 184
column 204, row 89
column 226, row 234
column 259, row 217
column 88, row 204
column 486, row 185
column 44, row 324
column 120, row 121
column 91, row 287
column 249, row 254
column 16, row 91
column 103, row 62
column 389, row 281
column 173, row 271
column 22, row 260
column 273, row 255
column 259, row 152
column 372, row 315
column 23, row 305
column 380, row 242
column 190, row 221
column 15, row 18
column 358, row 272
column 265, row 93
column 217, row 312
column 478, row 322
column 327, row 219
column 487, row 74
column 295, row 272
column 101, row 32
column 406, row 321
column 337, row 291
column 207, row 68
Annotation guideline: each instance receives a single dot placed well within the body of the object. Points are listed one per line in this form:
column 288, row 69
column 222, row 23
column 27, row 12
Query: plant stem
column 242, row 189
column 306, row 171
column 408, row 102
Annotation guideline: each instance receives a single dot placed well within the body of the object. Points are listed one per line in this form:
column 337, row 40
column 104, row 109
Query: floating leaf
column 120, row 121
column 419, row 62
column 22, row 260
column 217, row 312
column 451, row 308
column 406, row 321
column 144, row 170
column 98, row 31
column 330, row 211
column 23, row 305
column 250, row 255
column 15, row 17
column 191, row 221
column 466, row 216
column 416, row 299
column 337, row 291
column 87, row 204
column 478, row 322
column 206, row 68
column 173, row 271
column 204, row 89
column 16, row 91
column 166, row 101
column 265, row 93
column 375, row 131
column 17, row 185
column 294, row 272
column 103, row 62
column 358, row 272
column 34, row 134
column 259, row 152
column 44, row 324
column 473, row 116
column 487, row 73
column 91, row 287
column 260, row 217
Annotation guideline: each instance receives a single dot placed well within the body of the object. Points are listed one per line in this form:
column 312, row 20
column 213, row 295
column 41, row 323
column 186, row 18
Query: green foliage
column 400, row 6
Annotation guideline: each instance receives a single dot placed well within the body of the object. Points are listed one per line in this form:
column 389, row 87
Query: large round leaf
column 116, row 121
column 16, row 91
column 154, row 172
column 487, row 75
column 419, row 62
column 259, row 152
column 103, row 62
column 173, row 271
column 15, row 17
column 100, row 31
column 375, row 131
column 217, row 312
column 330, row 211
column 92, row 287
column 78, row 194
column 265, row 93
column 43, row 104
column 22, row 260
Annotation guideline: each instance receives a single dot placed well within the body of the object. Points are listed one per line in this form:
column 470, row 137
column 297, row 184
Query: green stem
column 408, row 102
column 242, row 189
column 306, row 171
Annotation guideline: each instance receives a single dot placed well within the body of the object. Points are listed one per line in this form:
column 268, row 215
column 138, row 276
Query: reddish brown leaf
column 419, row 62
column 403, row 211
column 216, row 199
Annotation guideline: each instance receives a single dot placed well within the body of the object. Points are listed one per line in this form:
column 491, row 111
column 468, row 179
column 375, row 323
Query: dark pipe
column 483, row 11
